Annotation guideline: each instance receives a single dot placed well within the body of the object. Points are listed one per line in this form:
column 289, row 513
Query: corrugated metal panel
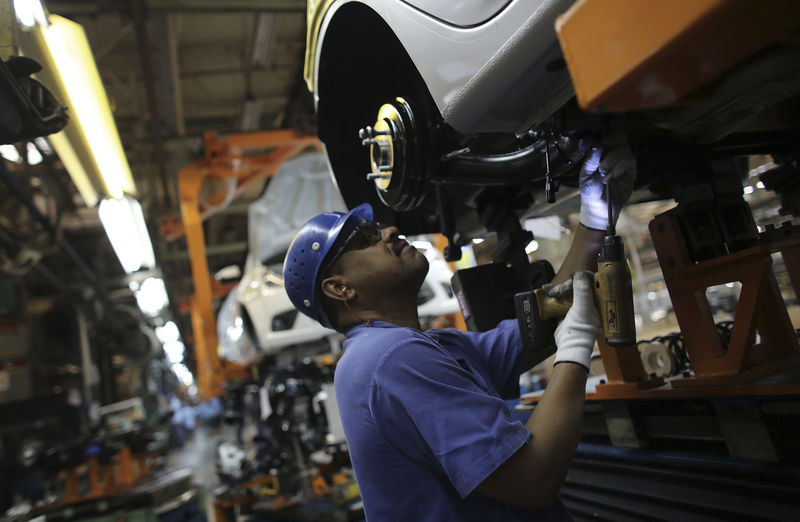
column 617, row 484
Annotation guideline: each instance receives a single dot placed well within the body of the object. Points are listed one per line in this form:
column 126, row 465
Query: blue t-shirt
column 426, row 423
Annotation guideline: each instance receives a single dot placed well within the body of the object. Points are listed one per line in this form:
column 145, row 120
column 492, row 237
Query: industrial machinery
column 297, row 461
column 465, row 118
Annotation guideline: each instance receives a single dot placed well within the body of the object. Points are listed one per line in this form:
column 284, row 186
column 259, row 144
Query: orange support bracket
column 760, row 309
column 243, row 157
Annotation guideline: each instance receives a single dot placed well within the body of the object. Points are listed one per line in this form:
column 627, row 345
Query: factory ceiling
column 173, row 70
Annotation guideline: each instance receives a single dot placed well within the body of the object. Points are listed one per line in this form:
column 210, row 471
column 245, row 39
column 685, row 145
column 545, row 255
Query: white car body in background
column 257, row 317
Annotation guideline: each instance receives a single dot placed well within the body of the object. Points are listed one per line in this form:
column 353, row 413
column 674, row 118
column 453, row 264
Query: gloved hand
column 576, row 334
column 612, row 161
column 559, row 291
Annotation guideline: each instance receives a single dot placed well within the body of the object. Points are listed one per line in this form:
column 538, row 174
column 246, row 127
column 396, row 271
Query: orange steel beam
column 243, row 157
column 623, row 54
column 458, row 322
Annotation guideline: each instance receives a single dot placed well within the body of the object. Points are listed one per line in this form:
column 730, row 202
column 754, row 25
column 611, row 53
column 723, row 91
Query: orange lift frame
column 243, row 157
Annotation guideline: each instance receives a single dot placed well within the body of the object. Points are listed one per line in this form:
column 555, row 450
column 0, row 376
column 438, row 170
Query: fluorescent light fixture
column 89, row 146
column 174, row 351
column 168, row 333
column 34, row 156
column 10, row 153
column 183, row 374
column 69, row 156
column 251, row 114
column 30, row 13
column 749, row 189
column 43, row 146
column 477, row 240
column 152, row 296
column 124, row 223
column 262, row 38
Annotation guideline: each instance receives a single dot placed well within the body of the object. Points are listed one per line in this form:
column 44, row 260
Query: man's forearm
column 582, row 255
column 532, row 477
column 556, row 421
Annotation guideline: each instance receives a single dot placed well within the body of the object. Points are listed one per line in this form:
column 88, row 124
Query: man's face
column 382, row 261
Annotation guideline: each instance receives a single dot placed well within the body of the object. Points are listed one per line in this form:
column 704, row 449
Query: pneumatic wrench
column 537, row 313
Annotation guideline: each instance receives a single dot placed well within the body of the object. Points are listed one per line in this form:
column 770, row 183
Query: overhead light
column 174, row 351
column 168, row 333
column 43, row 146
column 152, row 296
column 30, row 13
column 34, row 156
column 251, row 114
column 124, row 224
column 183, row 374
column 89, row 146
column 10, row 153
column 262, row 38
column 532, row 247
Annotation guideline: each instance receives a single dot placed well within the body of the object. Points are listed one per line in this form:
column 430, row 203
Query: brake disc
column 398, row 169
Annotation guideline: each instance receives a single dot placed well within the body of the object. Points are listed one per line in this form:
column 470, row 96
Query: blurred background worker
column 429, row 433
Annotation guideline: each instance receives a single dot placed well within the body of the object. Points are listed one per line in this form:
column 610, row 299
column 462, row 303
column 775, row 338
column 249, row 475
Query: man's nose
column 390, row 233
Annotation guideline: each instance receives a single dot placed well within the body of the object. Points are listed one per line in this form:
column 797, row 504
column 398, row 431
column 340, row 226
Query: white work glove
column 611, row 161
column 559, row 291
column 576, row 334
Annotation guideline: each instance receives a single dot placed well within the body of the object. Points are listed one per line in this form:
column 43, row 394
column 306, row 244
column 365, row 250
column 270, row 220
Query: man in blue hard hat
column 429, row 433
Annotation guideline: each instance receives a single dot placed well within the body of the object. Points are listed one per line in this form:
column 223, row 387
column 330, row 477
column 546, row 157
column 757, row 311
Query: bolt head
column 306, row 302
column 315, row 246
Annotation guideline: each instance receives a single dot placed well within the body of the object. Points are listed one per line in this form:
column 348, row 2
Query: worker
column 429, row 433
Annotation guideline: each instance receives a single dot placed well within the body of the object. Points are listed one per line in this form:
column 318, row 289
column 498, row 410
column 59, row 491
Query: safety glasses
column 365, row 234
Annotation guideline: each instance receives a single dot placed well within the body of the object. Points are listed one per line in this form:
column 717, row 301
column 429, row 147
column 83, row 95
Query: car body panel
column 437, row 283
column 469, row 71
column 462, row 13
column 235, row 345
column 262, row 294
column 300, row 190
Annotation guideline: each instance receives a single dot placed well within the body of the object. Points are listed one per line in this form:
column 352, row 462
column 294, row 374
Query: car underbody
column 388, row 143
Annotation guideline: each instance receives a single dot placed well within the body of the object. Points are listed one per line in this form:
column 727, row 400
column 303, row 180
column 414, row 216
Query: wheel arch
column 362, row 65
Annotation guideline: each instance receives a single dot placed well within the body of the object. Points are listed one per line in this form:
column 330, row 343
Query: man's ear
column 337, row 288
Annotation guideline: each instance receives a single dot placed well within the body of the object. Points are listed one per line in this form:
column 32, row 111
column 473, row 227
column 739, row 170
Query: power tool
column 537, row 314
column 613, row 290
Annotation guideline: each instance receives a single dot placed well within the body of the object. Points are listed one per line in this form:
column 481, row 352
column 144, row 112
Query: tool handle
column 551, row 307
column 613, row 293
column 535, row 329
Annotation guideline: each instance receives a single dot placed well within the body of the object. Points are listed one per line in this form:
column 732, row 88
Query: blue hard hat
column 307, row 252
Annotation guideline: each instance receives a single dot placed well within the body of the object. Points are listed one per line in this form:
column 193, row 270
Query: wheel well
column 362, row 66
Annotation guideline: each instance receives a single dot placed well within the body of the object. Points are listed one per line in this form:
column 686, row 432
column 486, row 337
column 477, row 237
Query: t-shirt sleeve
column 420, row 394
column 501, row 351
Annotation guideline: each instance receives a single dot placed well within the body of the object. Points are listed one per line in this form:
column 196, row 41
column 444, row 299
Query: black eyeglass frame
column 347, row 244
